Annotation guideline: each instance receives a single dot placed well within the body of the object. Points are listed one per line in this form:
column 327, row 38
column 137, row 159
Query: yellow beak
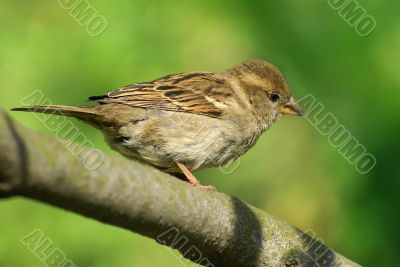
column 291, row 108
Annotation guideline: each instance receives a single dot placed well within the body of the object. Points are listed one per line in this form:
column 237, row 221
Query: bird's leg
column 192, row 179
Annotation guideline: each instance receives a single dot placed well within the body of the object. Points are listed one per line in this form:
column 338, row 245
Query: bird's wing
column 196, row 92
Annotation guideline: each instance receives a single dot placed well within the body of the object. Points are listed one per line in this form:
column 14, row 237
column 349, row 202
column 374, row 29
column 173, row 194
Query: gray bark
column 210, row 228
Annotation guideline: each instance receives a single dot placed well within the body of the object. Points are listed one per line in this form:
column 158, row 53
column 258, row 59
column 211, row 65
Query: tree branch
column 209, row 228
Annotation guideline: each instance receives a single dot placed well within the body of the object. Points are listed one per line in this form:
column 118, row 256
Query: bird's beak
column 291, row 108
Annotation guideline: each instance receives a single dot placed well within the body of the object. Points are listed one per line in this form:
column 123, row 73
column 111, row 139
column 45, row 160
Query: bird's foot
column 191, row 179
column 205, row 187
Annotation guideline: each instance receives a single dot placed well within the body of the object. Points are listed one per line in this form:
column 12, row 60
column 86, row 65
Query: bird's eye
column 274, row 97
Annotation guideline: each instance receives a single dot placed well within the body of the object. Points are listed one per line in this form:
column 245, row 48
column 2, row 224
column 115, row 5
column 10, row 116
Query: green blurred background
column 292, row 172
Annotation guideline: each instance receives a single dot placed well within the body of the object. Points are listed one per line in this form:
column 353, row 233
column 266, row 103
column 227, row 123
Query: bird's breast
column 195, row 140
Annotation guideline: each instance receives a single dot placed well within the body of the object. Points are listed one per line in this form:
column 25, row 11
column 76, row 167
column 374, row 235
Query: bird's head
column 267, row 91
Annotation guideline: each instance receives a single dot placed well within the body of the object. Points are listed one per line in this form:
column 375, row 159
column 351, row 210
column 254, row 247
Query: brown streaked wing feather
column 184, row 92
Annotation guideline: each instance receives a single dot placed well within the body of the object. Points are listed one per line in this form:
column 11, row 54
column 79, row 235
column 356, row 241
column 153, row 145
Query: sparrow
column 188, row 121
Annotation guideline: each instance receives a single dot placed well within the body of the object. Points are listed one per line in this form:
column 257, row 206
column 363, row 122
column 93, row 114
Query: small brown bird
column 183, row 122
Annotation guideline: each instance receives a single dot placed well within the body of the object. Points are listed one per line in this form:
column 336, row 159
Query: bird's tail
column 82, row 112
